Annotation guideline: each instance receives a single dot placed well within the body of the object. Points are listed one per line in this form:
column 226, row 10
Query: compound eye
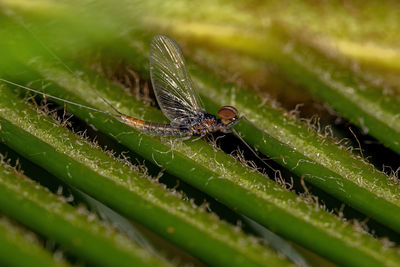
column 227, row 112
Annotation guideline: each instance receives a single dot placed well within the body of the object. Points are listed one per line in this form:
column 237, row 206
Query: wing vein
column 171, row 82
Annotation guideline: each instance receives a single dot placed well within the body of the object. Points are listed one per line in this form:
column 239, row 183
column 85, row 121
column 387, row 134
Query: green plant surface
column 347, row 27
column 253, row 192
column 19, row 247
column 74, row 228
column 327, row 77
column 216, row 173
column 353, row 97
column 80, row 164
column 311, row 155
column 314, row 156
column 305, row 152
column 320, row 160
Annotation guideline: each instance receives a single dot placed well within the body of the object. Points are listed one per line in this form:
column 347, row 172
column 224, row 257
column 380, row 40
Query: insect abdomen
column 157, row 128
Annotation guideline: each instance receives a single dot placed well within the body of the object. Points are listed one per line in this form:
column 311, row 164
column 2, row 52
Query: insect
column 176, row 96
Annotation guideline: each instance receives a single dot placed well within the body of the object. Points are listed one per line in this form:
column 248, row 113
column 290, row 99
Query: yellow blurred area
column 37, row 5
column 370, row 52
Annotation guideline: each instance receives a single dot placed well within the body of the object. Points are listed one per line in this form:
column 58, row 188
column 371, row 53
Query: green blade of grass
column 76, row 230
column 18, row 248
column 96, row 173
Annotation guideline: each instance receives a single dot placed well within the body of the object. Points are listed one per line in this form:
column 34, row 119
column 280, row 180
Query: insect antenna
column 261, row 130
column 252, row 150
column 60, row 99
column 22, row 23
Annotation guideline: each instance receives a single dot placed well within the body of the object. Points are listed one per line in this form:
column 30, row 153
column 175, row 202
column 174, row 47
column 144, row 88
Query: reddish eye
column 227, row 112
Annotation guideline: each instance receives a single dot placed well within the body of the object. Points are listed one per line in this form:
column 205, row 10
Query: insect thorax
column 204, row 124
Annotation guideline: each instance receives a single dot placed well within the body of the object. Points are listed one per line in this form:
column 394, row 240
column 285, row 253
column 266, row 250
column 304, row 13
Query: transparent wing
column 172, row 85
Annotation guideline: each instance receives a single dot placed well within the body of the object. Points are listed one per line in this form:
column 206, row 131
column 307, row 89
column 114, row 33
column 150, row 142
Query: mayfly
column 175, row 94
column 177, row 97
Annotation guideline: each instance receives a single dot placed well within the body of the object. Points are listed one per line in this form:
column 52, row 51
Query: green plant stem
column 80, row 164
column 76, row 230
column 18, row 248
